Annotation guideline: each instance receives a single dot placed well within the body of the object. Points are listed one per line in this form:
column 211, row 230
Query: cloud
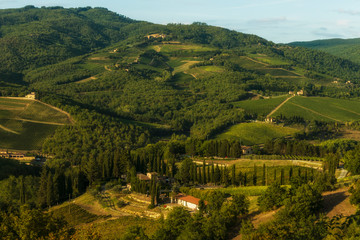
column 323, row 32
column 343, row 23
column 349, row 12
column 269, row 20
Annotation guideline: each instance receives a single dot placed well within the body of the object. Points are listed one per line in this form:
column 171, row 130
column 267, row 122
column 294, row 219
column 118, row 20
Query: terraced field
column 24, row 124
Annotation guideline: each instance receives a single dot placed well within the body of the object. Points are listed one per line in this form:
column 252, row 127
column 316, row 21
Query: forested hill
column 33, row 37
column 345, row 48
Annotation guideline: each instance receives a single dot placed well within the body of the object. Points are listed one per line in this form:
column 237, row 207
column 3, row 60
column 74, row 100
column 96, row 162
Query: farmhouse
column 142, row 177
column 151, row 175
column 156, row 36
column 32, row 95
column 246, row 150
column 188, row 201
column 270, row 120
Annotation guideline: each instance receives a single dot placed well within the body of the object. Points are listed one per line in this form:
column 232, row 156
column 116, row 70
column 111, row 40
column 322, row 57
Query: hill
column 344, row 48
column 195, row 79
column 25, row 123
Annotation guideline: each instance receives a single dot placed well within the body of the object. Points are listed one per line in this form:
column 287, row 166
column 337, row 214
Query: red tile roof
column 191, row 199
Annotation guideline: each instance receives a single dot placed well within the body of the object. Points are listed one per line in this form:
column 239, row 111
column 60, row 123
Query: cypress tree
column 217, row 175
column 50, row 191
column 255, row 176
column 245, row 179
column 208, row 174
column 290, row 173
column 299, row 172
column 233, row 182
column 194, row 173
column 264, row 175
column 282, row 177
column 204, row 173
column 212, row 173
column 199, row 177
column 275, row 175
column 240, row 179
column 22, row 190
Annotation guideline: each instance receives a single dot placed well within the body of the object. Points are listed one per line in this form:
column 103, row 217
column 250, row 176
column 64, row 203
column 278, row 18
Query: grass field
column 255, row 133
column 75, row 214
column 114, row 229
column 24, row 124
column 269, row 60
column 321, row 108
column 261, row 106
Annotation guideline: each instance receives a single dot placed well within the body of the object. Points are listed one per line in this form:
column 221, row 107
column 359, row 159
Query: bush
column 272, row 198
column 121, row 204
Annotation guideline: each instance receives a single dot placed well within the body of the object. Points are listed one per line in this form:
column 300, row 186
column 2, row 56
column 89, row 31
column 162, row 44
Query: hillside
column 25, row 124
column 344, row 48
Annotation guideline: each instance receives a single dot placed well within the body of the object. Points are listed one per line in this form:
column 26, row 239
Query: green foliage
column 352, row 161
column 74, row 214
column 355, row 194
column 272, row 198
column 32, row 224
column 344, row 48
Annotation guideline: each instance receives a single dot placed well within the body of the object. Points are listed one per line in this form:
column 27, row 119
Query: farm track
column 72, row 121
column 8, row 130
column 279, row 106
column 41, row 122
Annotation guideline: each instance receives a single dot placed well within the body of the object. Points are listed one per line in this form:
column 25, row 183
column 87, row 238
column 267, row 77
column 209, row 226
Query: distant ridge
column 344, row 48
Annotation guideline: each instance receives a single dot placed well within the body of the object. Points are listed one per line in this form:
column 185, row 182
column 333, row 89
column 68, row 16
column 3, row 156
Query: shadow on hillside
column 332, row 200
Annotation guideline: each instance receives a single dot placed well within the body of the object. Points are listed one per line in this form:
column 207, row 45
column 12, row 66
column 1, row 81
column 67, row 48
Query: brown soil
column 264, row 217
column 351, row 134
column 338, row 203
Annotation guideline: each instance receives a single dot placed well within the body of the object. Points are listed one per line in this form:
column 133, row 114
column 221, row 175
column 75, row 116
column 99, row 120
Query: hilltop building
column 246, row 150
column 156, row 35
column 32, row 95
column 187, row 201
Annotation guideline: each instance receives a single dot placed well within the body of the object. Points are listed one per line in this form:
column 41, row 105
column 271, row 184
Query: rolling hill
column 344, row 48
column 195, row 79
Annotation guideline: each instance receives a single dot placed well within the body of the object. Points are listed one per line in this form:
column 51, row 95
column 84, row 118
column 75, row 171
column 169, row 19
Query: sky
column 280, row 21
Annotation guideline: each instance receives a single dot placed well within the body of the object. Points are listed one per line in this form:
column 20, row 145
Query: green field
column 321, row 108
column 269, row 60
column 261, row 106
column 74, row 214
column 256, row 133
column 24, row 124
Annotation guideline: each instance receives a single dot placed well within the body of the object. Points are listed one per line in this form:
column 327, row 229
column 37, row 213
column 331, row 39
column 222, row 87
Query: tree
column 174, row 224
column 264, row 175
column 135, row 232
column 215, row 201
column 185, row 173
column 255, row 176
column 352, row 161
column 233, row 175
column 272, row 198
column 305, row 202
column 240, row 204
